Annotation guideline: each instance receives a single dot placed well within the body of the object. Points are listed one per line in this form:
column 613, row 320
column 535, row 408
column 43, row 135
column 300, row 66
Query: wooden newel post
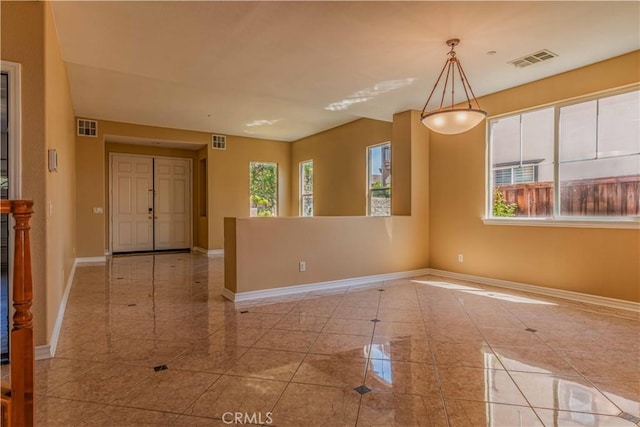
column 22, row 348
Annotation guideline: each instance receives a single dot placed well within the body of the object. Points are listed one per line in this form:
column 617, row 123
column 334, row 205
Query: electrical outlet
column 303, row 266
column 98, row 210
column 460, row 258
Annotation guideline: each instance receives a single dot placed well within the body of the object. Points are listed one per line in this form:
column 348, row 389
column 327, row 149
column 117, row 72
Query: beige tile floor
column 443, row 353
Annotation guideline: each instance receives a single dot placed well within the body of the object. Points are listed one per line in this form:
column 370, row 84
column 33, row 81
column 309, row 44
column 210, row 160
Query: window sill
column 631, row 223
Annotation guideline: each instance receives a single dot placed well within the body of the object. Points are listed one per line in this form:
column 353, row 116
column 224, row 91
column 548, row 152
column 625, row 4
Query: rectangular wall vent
column 219, row 142
column 533, row 58
column 87, row 128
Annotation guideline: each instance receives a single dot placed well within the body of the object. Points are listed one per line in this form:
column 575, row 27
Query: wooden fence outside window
column 614, row 196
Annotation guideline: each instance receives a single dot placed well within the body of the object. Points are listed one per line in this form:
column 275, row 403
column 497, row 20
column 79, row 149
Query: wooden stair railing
column 17, row 399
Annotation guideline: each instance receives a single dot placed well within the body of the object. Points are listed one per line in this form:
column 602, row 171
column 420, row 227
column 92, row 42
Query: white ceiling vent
column 219, row 142
column 533, row 58
column 87, row 128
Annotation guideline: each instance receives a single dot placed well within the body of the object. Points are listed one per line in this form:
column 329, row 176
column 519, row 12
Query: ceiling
column 286, row 70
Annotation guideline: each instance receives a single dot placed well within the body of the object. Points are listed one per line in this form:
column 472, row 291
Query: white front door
column 173, row 203
column 151, row 203
column 132, row 199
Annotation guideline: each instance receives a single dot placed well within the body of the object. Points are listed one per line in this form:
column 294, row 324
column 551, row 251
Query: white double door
column 150, row 203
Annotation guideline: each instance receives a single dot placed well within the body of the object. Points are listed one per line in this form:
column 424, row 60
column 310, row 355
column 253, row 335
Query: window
column 508, row 175
column 599, row 168
column 597, row 141
column 522, row 164
column 379, row 179
column 306, row 188
column 263, row 189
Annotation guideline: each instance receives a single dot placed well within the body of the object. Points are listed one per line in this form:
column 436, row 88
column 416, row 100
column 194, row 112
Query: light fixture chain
column 465, row 83
column 473, row 96
column 453, row 60
column 446, row 83
column 435, row 86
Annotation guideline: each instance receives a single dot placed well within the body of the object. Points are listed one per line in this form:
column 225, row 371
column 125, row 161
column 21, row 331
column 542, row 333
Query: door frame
column 13, row 70
column 110, row 191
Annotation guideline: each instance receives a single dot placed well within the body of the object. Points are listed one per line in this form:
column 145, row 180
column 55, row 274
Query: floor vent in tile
column 131, row 305
column 363, row 389
column 244, row 311
column 160, row 368
column 531, row 330
column 629, row 417
column 376, row 320
column 380, row 290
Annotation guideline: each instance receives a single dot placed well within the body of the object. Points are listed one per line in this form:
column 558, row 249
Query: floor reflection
column 438, row 353
column 380, row 361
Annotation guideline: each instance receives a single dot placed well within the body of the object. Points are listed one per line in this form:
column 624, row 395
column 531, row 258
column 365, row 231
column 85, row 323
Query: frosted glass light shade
column 450, row 122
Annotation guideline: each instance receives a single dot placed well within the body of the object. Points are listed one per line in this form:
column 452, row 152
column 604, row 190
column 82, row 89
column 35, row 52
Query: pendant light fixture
column 451, row 120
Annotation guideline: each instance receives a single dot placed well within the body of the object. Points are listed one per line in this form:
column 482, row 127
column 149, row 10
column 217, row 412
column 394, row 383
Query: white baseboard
column 212, row 253
column 230, row 295
column 345, row 283
column 321, row 286
column 49, row 350
column 92, row 259
column 541, row 290
column 43, row 352
column 55, row 334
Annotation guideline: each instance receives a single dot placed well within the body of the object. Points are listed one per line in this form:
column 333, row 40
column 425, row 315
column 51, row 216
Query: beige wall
column 60, row 136
column 202, row 239
column 29, row 38
column 603, row 262
column 420, row 184
column 90, row 182
column 228, row 178
column 230, row 248
column 268, row 250
column 401, row 164
column 23, row 42
column 263, row 253
column 339, row 167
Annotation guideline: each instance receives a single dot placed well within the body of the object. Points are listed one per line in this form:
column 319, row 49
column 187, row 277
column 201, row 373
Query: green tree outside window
column 263, row 182
column 500, row 206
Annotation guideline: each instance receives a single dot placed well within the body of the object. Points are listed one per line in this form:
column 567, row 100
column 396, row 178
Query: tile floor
column 441, row 353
